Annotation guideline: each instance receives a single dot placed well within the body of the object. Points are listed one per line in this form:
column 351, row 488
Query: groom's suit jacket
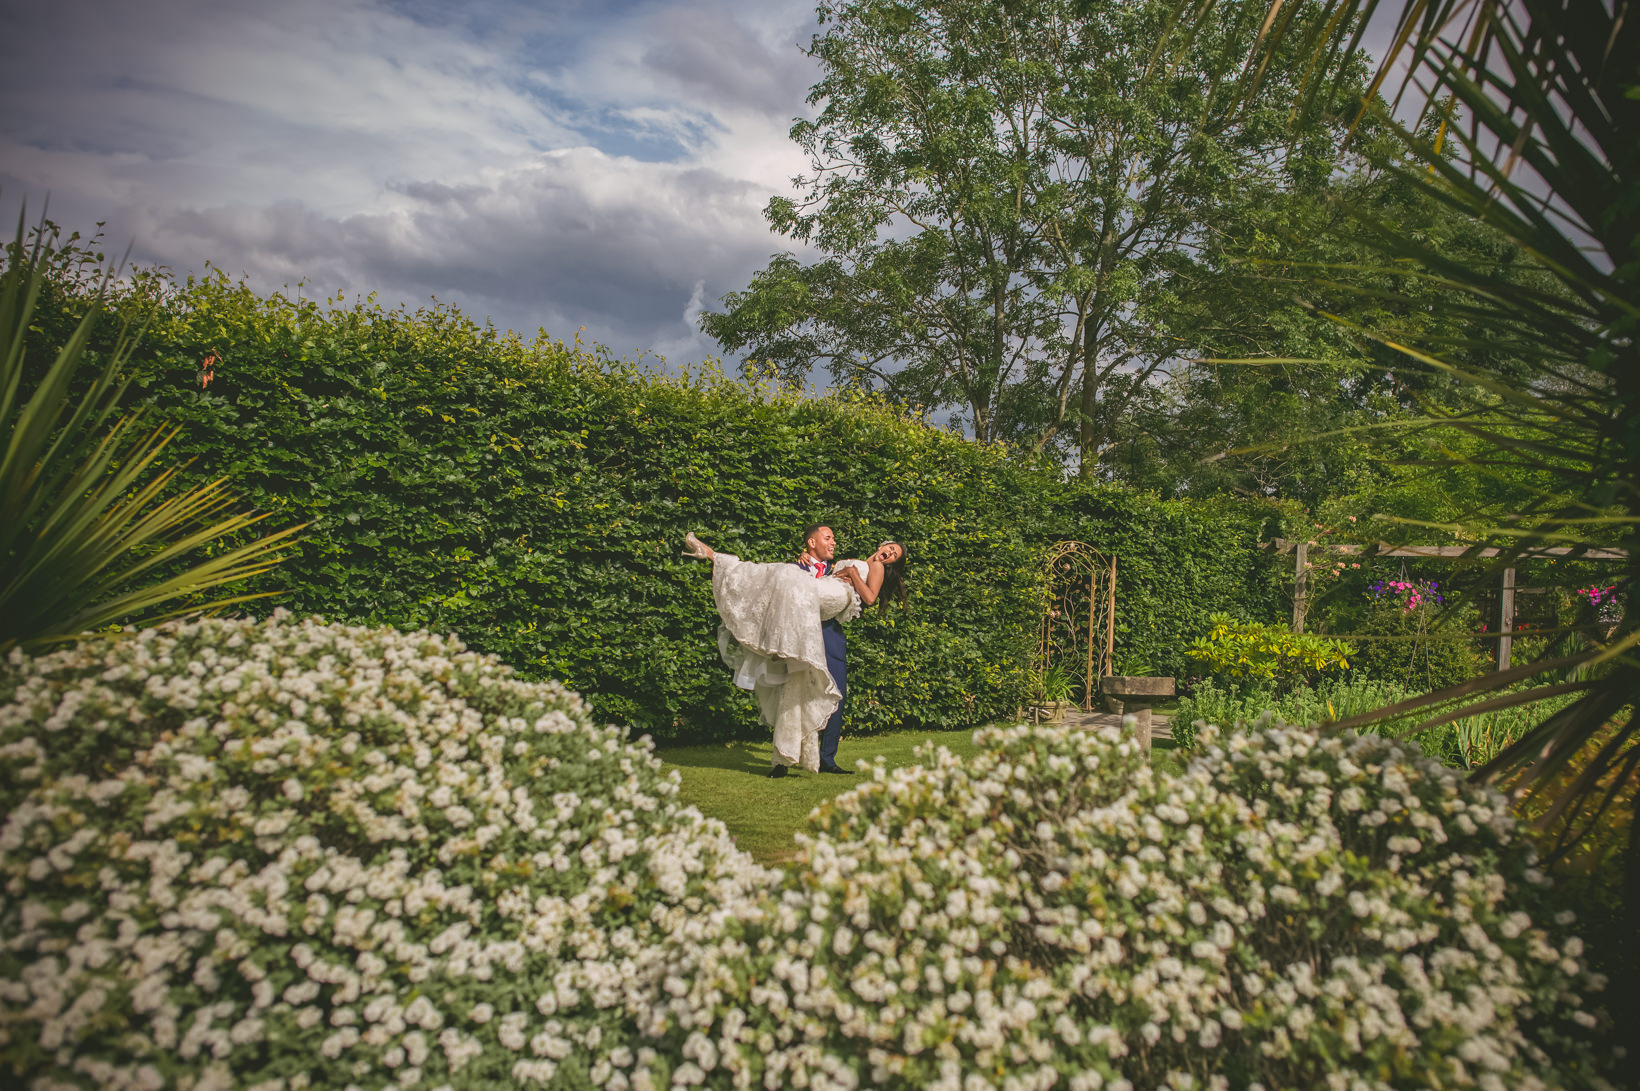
column 837, row 663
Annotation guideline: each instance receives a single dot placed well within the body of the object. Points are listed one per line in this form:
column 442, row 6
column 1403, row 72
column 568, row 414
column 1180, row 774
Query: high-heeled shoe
column 697, row 548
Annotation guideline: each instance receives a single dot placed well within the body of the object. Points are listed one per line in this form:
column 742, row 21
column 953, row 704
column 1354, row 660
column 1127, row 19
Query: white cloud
column 534, row 164
column 574, row 235
column 300, row 98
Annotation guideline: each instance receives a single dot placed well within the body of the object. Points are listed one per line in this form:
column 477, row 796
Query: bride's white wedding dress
column 771, row 639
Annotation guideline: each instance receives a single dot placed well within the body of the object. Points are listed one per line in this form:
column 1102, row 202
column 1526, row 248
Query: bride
column 771, row 633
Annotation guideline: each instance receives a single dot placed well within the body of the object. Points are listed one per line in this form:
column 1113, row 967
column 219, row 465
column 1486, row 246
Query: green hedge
column 1177, row 563
column 532, row 498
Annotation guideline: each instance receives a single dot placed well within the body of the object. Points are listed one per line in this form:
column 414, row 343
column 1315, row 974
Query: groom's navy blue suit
column 837, row 664
column 831, row 631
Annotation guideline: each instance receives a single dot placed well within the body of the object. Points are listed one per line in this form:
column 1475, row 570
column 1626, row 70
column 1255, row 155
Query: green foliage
column 1556, row 354
column 533, row 499
column 1002, row 195
column 1056, row 684
column 1328, row 701
column 1178, row 563
column 1270, row 898
column 287, row 828
column 1419, row 648
column 1255, row 652
column 1466, row 743
column 297, row 853
column 1472, row 742
column 92, row 530
column 1133, row 666
column 1291, row 404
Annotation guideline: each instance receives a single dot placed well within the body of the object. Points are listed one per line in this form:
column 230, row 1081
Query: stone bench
column 1126, row 694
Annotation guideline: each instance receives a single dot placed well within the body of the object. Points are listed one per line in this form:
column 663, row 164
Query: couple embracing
column 782, row 635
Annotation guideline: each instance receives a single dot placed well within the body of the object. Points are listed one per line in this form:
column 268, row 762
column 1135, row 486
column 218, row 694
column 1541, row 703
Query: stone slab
column 1131, row 686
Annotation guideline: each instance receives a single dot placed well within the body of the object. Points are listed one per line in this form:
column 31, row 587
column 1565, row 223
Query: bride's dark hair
column 893, row 579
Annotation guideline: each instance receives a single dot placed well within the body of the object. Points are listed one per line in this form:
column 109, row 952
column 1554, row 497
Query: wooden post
column 1093, row 619
column 1300, row 579
column 1506, row 618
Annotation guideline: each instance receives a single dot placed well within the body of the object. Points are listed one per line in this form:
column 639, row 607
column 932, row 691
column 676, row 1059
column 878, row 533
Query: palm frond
column 88, row 516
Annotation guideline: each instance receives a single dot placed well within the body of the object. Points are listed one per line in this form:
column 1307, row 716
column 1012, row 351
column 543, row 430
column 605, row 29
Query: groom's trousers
column 837, row 664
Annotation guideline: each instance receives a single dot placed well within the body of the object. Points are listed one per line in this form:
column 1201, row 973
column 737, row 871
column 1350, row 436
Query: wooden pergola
column 1507, row 590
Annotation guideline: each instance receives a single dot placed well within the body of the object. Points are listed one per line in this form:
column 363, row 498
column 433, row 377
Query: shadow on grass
column 729, row 781
column 740, row 756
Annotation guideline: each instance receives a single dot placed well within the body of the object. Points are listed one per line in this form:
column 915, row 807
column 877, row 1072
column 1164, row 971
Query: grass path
column 730, row 781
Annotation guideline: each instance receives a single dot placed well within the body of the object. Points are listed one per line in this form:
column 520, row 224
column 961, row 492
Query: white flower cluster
column 1293, row 911
column 290, row 854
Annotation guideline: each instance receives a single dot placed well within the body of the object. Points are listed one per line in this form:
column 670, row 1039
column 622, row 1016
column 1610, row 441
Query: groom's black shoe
column 833, row 767
column 777, row 771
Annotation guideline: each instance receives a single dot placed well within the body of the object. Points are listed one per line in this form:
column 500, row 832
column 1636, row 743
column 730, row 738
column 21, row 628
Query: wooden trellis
column 1079, row 623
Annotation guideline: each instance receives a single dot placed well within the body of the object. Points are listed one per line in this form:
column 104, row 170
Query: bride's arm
column 868, row 587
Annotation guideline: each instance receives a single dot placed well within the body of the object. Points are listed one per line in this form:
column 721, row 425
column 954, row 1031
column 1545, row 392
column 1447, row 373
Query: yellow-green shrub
column 1254, row 652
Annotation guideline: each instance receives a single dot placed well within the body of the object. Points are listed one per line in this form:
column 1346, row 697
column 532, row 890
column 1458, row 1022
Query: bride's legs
column 697, row 548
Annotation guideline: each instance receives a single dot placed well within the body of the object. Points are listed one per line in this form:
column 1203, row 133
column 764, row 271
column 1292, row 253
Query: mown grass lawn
column 730, row 781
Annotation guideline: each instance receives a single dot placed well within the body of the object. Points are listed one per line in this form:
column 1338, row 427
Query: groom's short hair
column 813, row 529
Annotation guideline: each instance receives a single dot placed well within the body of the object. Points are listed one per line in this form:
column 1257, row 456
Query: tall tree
column 1312, row 407
column 1541, row 101
column 995, row 191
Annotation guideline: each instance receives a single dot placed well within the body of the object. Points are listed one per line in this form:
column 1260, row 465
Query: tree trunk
column 1087, row 428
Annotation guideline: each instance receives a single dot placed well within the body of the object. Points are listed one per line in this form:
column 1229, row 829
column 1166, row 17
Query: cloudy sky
column 543, row 163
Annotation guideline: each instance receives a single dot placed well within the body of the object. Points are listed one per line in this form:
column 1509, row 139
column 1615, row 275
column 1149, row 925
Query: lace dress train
column 770, row 637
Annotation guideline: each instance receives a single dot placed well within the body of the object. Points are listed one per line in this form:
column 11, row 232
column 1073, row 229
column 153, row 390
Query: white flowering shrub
column 1292, row 912
column 289, row 854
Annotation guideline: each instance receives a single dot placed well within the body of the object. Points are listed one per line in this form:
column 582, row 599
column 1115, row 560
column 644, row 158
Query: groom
column 819, row 547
